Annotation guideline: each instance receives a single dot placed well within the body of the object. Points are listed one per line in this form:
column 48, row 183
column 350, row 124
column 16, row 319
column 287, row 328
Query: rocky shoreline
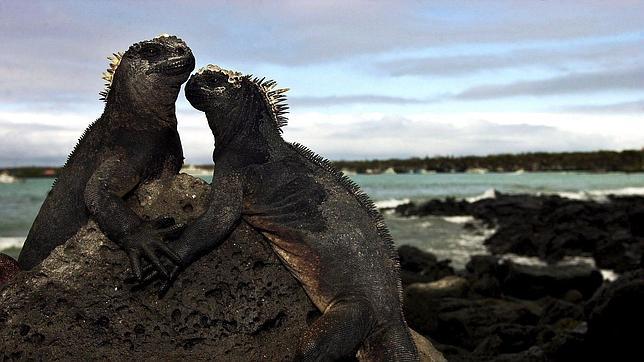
column 499, row 310
column 551, row 227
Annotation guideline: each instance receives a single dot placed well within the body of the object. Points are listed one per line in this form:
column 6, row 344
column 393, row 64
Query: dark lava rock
column 533, row 354
column 418, row 266
column 615, row 319
column 485, row 273
column 533, row 282
column 237, row 303
column 465, row 322
column 450, row 206
column 552, row 227
column 8, row 268
column 557, row 310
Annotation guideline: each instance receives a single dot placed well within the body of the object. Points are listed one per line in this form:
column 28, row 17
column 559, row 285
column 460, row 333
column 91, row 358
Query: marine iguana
column 133, row 141
column 324, row 229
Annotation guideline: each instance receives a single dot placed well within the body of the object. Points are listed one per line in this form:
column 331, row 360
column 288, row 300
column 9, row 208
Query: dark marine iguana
column 322, row 226
column 133, row 141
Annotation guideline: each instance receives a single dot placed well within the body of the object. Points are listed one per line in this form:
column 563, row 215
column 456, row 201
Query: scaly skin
column 323, row 228
column 134, row 140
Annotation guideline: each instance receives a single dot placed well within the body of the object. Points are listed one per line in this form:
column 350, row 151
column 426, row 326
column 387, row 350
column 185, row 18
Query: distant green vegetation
column 32, row 171
column 598, row 161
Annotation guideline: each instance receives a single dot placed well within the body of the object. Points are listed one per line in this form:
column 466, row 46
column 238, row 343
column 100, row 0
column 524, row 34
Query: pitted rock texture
column 8, row 268
column 237, row 303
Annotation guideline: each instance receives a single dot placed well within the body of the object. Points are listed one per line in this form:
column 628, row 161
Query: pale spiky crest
column 108, row 75
column 275, row 99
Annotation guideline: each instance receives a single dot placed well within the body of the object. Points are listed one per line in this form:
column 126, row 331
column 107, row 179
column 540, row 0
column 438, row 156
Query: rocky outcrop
column 419, row 266
column 552, row 227
column 616, row 318
column 497, row 310
column 238, row 303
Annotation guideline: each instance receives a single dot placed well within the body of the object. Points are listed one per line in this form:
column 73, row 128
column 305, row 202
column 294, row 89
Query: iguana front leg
column 104, row 192
column 210, row 230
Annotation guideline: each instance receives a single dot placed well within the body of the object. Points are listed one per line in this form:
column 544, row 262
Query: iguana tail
column 348, row 326
column 389, row 343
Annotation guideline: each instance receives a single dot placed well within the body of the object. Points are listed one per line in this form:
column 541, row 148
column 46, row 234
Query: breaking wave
column 11, row 242
column 391, row 203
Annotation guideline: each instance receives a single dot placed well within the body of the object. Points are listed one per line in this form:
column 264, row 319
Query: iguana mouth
column 174, row 66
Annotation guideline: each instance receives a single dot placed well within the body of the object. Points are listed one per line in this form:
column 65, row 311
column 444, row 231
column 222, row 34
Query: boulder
column 615, row 318
column 450, row 286
column 465, row 322
column 238, row 303
column 418, row 266
column 485, row 273
column 533, row 282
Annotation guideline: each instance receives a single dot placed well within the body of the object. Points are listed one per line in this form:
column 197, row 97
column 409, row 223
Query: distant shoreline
column 596, row 162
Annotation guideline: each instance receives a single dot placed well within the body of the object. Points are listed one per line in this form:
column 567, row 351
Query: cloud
column 35, row 144
column 609, row 80
column 346, row 137
column 47, row 139
column 605, row 53
column 636, row 106
column 352, row 99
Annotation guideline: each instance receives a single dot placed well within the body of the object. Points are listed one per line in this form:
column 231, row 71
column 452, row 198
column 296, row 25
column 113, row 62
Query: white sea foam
column 524, row 260
column 601, row 195
column 534, row 261
column 391, row 203
column 488, row 194
column 590, row 195
column 462, row 219
column 8, row 242
column 609, row 275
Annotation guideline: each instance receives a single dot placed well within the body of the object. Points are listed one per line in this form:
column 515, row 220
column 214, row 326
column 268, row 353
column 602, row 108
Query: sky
column 368, row 79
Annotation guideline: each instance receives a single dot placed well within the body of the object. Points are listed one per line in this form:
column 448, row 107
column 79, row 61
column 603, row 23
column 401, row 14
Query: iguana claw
column 148, row 242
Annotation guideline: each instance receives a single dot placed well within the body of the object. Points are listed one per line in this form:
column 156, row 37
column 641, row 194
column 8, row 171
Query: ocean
column 444, row 236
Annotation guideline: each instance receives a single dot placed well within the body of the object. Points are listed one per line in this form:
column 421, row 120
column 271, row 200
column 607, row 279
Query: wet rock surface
column 498, row 310
column 238, row 303
column 552, row 227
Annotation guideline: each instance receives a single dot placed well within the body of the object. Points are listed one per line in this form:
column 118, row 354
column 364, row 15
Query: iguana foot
column 338, row 332
column 149, row 274
column 8, row 268
column 148, row 242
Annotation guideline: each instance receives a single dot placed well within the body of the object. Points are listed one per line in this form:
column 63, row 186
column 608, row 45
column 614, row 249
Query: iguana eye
column 150, row 51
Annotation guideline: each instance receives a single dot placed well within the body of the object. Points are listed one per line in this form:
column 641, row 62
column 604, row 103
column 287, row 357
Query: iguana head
column 221, row 92
column 149, row 73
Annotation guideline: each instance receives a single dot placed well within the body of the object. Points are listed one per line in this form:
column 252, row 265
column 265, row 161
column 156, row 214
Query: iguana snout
column 211, row 86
